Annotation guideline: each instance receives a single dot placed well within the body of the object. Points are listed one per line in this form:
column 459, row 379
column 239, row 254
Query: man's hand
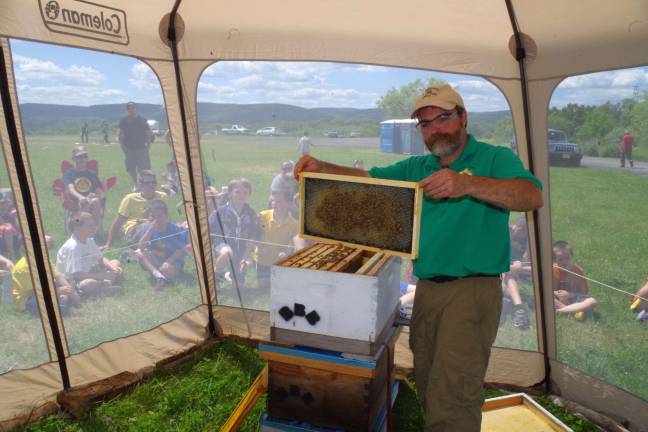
column 445, row 184
column 308, row 164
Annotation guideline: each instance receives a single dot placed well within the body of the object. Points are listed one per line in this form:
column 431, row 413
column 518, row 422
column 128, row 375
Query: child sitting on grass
column 10, row 237
column 83, row 264
column 161, row 245
column 569, row 283
column 23, row 290
column 639, row 302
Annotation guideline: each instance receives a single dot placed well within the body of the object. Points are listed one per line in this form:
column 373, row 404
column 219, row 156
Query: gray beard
column 444, row 151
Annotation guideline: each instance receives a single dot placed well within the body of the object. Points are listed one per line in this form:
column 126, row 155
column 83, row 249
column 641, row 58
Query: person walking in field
column 305, row 144
column 104, row 132
column 84, row 133
column 135, row 138
column 625, row 148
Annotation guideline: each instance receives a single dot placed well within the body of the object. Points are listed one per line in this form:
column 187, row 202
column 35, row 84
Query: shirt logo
column 84, row 19
column 83, row 185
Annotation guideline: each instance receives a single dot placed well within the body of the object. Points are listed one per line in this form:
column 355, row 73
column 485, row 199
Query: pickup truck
column 235, row 130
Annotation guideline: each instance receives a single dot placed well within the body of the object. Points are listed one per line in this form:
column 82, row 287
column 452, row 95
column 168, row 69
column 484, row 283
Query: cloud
column 601, row 87
column 28, row 68
column 143, row 78
column 370, row 68
column 618, row 79
column 69, row 94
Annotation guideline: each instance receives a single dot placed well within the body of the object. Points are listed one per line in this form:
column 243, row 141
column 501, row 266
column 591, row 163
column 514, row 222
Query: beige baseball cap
column 444, row 97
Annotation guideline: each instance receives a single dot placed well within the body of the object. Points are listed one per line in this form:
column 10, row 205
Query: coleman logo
column 85, row 19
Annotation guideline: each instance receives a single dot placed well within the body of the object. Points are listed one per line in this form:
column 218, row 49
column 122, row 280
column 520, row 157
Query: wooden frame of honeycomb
column 349, row 205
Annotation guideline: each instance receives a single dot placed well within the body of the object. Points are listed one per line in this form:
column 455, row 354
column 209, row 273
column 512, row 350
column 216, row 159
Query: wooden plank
column 328, row 261
column 416, row 223
column 356, row 245
column 501, row 402
column 366, row 266
column 318, row 364
column 346, row 262
column 314, row 263
column 363, row 180
column 379, row 265
column 287, row 262
column 258, row 387
column 312, row 256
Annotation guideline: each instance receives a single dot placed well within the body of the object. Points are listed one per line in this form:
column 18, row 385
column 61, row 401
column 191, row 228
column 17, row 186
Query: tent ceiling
column 469, row 36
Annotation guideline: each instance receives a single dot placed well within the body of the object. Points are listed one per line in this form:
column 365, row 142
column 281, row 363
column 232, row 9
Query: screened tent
column 525, row 49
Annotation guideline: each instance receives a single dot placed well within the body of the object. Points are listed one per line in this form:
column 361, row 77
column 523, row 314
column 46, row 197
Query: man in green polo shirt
column 469, row 187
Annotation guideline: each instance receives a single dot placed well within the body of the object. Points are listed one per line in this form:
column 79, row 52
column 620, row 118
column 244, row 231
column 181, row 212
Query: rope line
column 601, row 283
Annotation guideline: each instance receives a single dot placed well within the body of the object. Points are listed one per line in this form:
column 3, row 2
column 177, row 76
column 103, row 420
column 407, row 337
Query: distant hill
column 51, row 118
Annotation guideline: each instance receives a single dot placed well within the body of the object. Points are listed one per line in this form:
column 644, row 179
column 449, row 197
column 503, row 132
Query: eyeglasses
column 439, row 120
column 149, row 183
column 80, row 157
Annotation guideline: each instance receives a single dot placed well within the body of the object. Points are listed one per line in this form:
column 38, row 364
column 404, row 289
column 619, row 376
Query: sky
column 70, row 76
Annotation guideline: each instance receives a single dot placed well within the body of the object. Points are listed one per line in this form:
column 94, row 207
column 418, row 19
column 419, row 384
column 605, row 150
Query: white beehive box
column 347, row 311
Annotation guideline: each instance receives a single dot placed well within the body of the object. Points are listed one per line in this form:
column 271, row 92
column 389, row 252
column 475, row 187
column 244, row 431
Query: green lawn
column 603, row 215
column 201, row 394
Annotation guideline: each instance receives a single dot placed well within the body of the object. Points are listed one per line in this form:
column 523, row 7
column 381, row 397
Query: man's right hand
column 308, row 164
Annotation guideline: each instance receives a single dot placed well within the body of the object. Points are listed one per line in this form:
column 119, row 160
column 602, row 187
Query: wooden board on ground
column 518, row 413
column 372, row 214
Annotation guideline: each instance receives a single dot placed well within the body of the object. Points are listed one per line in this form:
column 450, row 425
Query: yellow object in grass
column 580, row 316
column 635, row 304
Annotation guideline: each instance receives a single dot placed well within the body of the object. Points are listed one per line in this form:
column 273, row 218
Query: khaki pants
column 454, row 325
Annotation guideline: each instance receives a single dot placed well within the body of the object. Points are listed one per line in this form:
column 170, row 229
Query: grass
column 201, row 394
column 602, row 214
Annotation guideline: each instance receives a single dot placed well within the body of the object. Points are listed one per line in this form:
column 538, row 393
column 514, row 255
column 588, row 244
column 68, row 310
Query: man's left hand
column 445, row 184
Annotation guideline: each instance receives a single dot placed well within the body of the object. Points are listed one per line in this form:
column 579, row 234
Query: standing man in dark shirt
column 135, row 138
column 84, row 133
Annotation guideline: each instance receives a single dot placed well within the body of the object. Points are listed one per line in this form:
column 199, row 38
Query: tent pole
column 30, row 213
column 520, row 55
column 183, row 114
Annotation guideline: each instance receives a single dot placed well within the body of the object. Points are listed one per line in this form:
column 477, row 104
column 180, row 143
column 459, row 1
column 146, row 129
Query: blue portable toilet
column 388, row 136
column 401, row 136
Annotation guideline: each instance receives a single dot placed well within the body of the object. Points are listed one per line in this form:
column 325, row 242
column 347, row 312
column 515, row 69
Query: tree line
column 597, row 129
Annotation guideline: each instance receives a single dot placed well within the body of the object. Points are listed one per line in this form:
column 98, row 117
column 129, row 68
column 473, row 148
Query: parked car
column 331, row 134
column 235, row 130
column 270, row 130
column 561, row 150
column 355, row 134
